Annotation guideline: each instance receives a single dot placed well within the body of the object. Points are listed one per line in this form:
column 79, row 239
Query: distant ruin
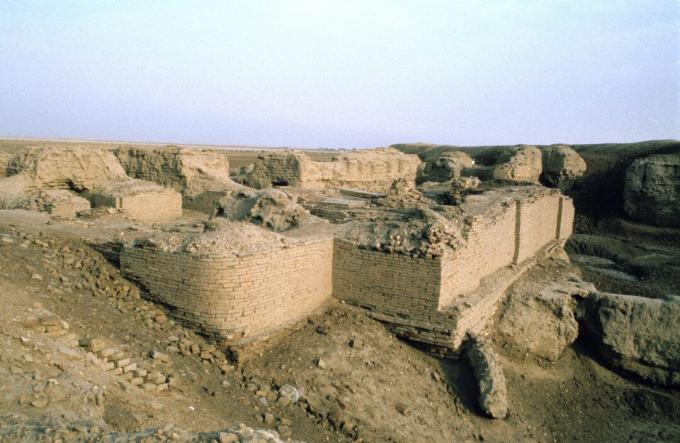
column 371, row 170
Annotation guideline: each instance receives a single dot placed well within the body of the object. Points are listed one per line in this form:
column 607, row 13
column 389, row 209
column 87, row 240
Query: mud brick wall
column 68, row 209
column 364, row 171
column 159, row 205
column 367, row 170
column 189, row 171
column 240, row 299
column 538, row 225
column 278, row 170
column 415, row 288
column 393, row 282
column 490, row 246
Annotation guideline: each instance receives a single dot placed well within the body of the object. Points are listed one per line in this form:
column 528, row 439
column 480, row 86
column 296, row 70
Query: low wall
column 240, row 299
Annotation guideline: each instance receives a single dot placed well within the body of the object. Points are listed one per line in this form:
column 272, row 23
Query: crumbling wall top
column 217, row 238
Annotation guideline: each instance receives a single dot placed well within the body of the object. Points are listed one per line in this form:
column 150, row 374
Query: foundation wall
column 384, row 281
column 240, row 299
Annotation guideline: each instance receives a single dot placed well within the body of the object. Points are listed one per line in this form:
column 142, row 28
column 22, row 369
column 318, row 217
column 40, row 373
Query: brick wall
column 246, row 298
column 395, row 282
column 538, row 225
column 567, row 212
column 490, row 246
column 240, row 299
column 416, row 287
column 279, row 169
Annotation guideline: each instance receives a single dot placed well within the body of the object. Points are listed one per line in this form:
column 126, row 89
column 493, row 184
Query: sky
column 341, row 74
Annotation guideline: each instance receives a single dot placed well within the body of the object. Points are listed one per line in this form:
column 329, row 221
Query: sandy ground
column 357, row 381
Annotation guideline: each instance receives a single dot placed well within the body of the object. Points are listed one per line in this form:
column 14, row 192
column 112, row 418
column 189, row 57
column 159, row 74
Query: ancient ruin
column 369, row 170
column 462, row 253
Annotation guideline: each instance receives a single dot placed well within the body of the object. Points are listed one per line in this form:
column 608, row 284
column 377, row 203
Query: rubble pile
column 423, row 232
column 270, row 208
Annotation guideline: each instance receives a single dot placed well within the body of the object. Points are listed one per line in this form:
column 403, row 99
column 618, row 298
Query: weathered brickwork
column 240, row 299
column 379, row 279
column 567, row 213
column 371, row 170
column 490, row 246
column 433, row 300
column 451, row 294
column 538, row 224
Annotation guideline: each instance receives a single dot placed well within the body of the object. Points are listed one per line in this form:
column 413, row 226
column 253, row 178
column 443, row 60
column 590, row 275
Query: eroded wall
column 149, row 206
column 370, row 170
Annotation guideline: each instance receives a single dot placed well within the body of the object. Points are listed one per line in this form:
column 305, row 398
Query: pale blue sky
column 341, row 74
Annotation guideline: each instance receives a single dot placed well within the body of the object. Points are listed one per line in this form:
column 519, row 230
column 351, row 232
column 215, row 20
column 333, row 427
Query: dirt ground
column 355, row 381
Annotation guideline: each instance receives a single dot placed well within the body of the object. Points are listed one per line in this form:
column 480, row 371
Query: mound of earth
column 77, row 168
column 219, row 236
column 188, row 171
column 652, row 190
column 562, row 166
column 446, row 167
column 525, row 166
